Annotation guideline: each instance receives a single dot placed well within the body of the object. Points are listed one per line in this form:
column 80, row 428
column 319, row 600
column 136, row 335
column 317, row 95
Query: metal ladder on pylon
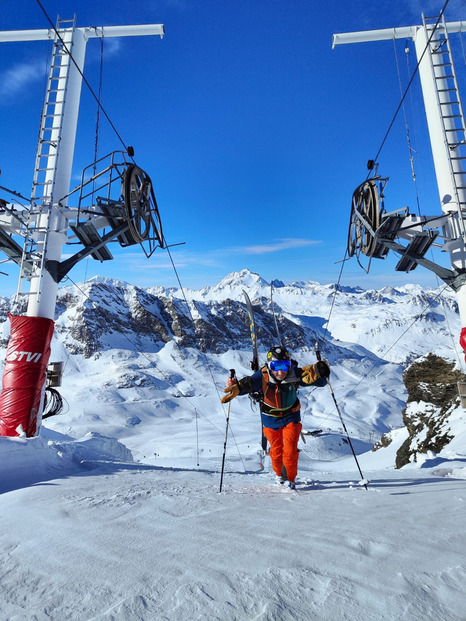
column 451, row 109
column 42, row 196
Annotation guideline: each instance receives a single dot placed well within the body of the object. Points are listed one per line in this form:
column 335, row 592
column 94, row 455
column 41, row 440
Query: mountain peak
column 109, row 281
column 244, row 278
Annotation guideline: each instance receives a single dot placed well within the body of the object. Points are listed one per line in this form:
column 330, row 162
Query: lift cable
column 152, row 364
column 462, row 47
column 409, row 84
column 97, row 117
column 408, row 138
column 207, row 360
column 400, row 105
column 86, row 82
column 97, row 99
column 381, row 359
column 414, row 177
column 337, row 288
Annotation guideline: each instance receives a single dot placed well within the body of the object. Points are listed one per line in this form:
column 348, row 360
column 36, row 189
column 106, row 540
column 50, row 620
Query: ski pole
column 232, row 375
column 319, row 357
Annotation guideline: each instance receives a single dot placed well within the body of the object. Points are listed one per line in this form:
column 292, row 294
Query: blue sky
column 254, row 131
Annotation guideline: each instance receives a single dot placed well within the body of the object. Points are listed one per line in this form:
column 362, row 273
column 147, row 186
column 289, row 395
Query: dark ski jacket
column 278, row 399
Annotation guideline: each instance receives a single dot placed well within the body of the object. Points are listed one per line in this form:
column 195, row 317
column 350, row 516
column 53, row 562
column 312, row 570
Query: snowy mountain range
column 113, row 511
column 149, row 354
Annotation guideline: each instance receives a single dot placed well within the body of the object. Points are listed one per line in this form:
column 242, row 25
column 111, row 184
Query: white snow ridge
column 114, row 511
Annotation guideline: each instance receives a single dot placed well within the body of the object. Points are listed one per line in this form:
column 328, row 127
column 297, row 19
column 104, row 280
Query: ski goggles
column 279, row 365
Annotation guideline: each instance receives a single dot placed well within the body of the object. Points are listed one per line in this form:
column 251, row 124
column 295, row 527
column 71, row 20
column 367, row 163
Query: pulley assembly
column 373, row 232
column 132, row 217
column 141, row 206
column 365, row 220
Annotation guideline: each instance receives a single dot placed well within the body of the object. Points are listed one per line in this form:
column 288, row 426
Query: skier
column 275, row 386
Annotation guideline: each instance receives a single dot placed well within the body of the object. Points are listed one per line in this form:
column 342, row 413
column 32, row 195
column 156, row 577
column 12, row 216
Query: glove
column 322, row 369
column 313, row 372
column 232, row 392
column 309, row 375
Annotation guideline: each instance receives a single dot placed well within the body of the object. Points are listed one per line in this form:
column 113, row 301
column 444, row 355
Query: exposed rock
column 432, row 396
column 385, row 440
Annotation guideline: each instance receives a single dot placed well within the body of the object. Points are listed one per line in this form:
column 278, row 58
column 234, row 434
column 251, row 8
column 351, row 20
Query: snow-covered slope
column 113, row 513
column 88, row 535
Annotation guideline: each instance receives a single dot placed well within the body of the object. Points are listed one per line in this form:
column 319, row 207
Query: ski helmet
column 278, row 359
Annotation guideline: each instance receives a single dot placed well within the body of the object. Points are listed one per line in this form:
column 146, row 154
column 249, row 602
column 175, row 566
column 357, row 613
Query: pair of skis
column 255, row 354
column 255, row 367
column 255, row 360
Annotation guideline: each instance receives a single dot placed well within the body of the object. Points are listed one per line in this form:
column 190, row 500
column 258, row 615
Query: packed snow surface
column 87, row 534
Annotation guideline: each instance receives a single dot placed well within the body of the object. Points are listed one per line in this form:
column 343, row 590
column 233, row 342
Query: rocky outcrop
column 106, row 314
column 89, row 321
column 432, row 396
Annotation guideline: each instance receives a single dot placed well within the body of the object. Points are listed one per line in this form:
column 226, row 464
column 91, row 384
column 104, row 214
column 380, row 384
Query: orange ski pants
column 284, row 448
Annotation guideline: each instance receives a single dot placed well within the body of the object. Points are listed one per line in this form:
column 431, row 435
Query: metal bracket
column 58, row 270
column 452, row 278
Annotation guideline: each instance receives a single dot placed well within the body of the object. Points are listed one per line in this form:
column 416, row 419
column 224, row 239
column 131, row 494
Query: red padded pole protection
column 24, row 374
column 463, row 341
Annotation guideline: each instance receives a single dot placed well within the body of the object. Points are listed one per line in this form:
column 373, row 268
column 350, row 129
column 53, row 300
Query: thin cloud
column 134, row 262
column 19, row 77
column 284, row 244
column 215, row 257
column 182, row 259
column 111, row 47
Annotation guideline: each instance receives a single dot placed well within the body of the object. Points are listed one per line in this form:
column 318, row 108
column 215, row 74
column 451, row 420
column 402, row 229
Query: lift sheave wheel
column 365, row 219
column 141, row 208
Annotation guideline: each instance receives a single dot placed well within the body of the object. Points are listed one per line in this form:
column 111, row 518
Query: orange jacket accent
column 279, row 399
